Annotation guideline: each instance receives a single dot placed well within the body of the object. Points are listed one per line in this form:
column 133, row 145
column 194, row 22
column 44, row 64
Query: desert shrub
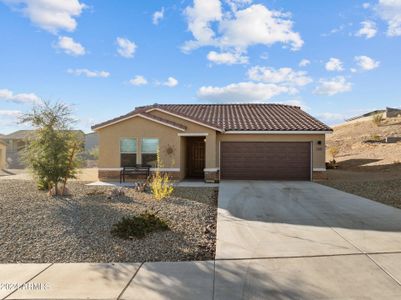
column 52, row 152
column 160, row 183
column 42, row 184
column 375, row 137
column 377, row 119
column 333, row 152
column 138, row 226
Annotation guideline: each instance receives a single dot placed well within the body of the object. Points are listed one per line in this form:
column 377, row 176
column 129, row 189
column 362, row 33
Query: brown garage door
column 265, row 161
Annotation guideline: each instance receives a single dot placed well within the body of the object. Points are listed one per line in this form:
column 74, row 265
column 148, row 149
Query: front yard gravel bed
column 385, row 191
column 38, row 228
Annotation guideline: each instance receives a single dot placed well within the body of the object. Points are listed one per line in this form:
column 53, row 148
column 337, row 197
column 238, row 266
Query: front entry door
column 195, row 157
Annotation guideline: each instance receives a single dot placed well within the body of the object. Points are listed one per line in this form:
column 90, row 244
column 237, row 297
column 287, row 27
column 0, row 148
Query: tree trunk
column 70, row 161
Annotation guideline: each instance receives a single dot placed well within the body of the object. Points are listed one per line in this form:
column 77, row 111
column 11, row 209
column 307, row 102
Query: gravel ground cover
column 385, row 191
column 35, row 227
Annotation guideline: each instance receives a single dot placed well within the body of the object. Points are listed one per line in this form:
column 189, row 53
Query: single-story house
column 3, row 150
column 16, row 142
column 215, row 141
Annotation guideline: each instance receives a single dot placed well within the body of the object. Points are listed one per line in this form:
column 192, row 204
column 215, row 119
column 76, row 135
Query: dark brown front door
column 266, row 160
column 195, row 157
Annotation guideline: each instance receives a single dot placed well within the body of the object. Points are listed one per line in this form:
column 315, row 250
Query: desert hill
column 361, row 144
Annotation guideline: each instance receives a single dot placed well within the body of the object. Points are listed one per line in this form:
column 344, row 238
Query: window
column 149, row 151
column 128, row 152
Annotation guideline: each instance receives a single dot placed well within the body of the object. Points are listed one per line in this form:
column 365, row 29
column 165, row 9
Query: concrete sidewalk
column 359, row 276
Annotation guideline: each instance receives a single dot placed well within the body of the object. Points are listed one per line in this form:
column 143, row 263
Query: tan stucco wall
column 196, row 128
column 3, row 148
column 109, row 141
column 318, row 151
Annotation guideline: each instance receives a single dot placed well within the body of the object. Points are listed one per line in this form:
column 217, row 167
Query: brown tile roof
column 239, row 117
column 139, row 112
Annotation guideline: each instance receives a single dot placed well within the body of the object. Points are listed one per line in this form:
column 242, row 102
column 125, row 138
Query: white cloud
column 199, row 17
column 126, row 48
column 70, row 47
column 331, row 117
column 304, row 62
column 333, row 86
column 50, row 15
column 227, row 58
column 88, row 73
column 390, row 11
column 366, row 5
column 258, row 25
column 242, row 92
column 296, row 102
column 368, row 29
column 334, row 64
column 236, row 4
column 22, row 98
column 158, row 16
column 10, row 113
column 366, row 63
column 238, row 29
column 285, row 76
column 138, row 80
column 170, row 82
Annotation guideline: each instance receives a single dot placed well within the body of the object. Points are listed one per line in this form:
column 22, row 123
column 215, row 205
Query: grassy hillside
column 354, row 150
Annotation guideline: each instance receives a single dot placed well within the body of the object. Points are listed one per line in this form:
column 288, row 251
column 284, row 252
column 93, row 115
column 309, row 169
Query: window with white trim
column 149, row 147
column 128, row 152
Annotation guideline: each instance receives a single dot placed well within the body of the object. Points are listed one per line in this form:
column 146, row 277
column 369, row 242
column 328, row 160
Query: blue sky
column 335, row 59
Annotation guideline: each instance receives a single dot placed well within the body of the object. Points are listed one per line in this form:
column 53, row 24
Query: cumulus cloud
column 9, row 119
column 21, row 98
column 368, row 29
column 170, row 82
column 238, row 28
column 365, row 5
column 334, row 64
column 88, row 73
column 70, row 47
column 50, row 15
column 10, row 113
column 138, row 80
column 158, row 16
column 366, row 63
column 333, row 86
column 285, row 76
column 242, row 92
column 227, row 58
column 126, row 48
column 295, row 102
column 304, row 63
column 237, row 4
column 330, row 117
column 390, row 11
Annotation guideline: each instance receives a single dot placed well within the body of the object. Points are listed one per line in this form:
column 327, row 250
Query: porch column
column 211, row 171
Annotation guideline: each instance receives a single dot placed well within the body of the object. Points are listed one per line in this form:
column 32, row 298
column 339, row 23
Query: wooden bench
column 137, row 170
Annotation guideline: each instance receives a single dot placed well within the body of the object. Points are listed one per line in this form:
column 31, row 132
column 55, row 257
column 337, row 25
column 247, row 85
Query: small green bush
column 138, row 226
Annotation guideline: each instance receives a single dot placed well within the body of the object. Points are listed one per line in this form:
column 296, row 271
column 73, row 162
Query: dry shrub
column 160, row 183
column 377, row 119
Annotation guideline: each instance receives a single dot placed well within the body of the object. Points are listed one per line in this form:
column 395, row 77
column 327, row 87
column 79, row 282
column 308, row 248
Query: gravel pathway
column 35, row 227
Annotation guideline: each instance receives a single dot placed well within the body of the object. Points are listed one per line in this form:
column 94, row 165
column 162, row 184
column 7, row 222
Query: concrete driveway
column 286, row 240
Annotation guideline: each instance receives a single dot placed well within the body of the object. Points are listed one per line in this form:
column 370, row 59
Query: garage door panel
column 265, row 160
